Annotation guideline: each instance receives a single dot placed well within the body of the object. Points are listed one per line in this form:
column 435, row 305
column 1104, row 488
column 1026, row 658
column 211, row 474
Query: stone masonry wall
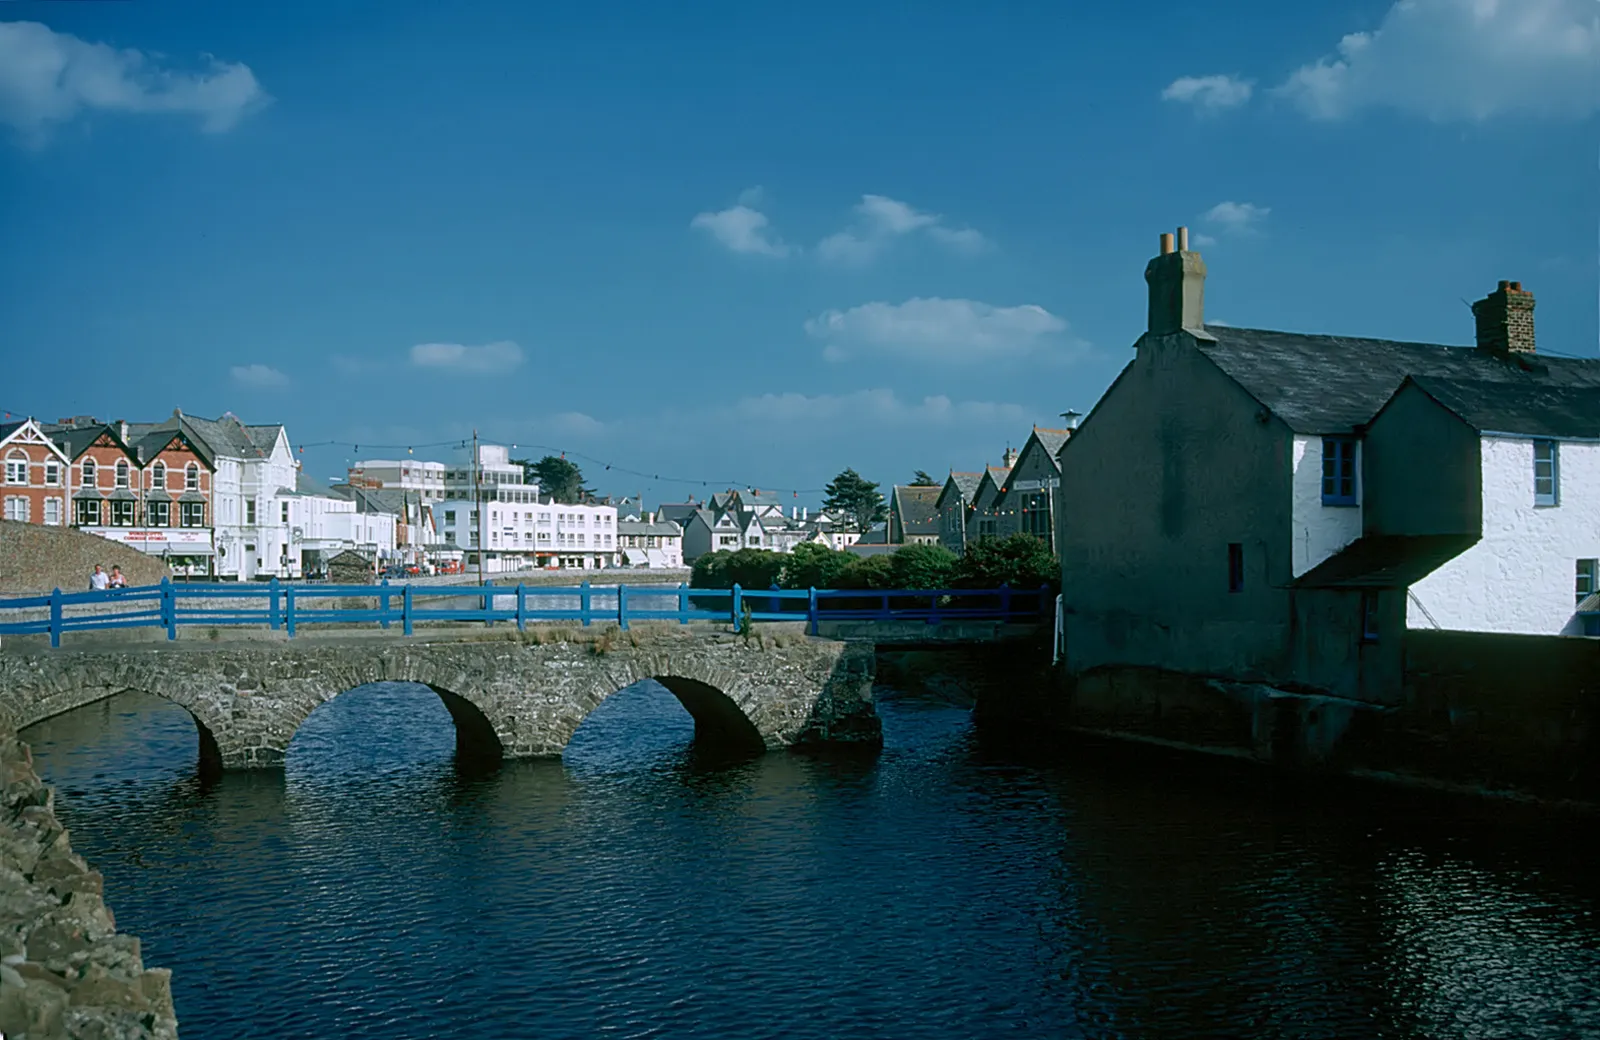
column 36, row 558
column 65, row 971
column 511, row 694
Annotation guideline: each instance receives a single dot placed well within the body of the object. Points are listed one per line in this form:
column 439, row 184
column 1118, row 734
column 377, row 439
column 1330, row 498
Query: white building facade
column 425, row 479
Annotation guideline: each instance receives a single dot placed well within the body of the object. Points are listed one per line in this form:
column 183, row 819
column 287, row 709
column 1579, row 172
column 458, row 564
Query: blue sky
column 746, row 245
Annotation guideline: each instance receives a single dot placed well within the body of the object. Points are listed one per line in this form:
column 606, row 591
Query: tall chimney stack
column 1505, row 320
column 1177, row 280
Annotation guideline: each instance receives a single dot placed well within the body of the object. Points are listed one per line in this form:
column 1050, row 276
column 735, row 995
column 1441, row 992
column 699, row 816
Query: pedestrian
column 98, row 580
column 117, row 580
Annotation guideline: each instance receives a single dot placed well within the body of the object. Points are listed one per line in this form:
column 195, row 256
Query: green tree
column 814, row 566
column 868, row 572
column 855, row 501
column 922, row 567
column 747, row 568
column 923, row 480
column 1021, row 561
column 557, row 477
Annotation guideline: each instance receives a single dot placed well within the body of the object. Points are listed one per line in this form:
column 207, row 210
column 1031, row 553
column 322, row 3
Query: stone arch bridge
column 520, row 696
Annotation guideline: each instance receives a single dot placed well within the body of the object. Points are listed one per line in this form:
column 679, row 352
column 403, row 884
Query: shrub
column 813, row 566
column 1021, row 561
column 922, row 567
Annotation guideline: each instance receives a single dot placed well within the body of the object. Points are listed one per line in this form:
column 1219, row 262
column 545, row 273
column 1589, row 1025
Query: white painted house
column 1276, row 507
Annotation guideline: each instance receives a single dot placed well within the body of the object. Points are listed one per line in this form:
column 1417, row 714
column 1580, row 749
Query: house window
column 91, row 476
column 191, row 477
column 17, row 508
column 192, row 514
column 52, row 474
column 1036, row 514
column 1339, row 471
column 122, row 473
column 1369, row 616
column 1235, row 566
column 16, row 468
column 158, row 514
column 122, row 512
column 1588, row 579
column 250, row 511
column 88, row 512
column 158, row 476
column 1546, row 473
column 284, row 513
column 52, row 512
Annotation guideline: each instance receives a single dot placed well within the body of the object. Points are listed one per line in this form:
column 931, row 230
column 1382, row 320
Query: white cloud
column 259, row 377
column 935, row 328
column 1461, row 59
column 490, row 359
column 742, row 228
column 49, row 77
column 881, row 220
column 1236, row 216
column 880, row 406
column 1202, row 240
column 1209, row 93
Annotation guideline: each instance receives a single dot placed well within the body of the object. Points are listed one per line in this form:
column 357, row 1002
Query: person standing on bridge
column 98, row 580
column 117, row 581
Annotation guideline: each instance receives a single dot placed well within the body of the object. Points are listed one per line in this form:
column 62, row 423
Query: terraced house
column 35, row 487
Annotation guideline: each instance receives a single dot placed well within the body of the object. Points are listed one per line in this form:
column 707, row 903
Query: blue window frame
column 1369, row 616
column 1546, row 473
column 1339, row 471
column 1587, row 579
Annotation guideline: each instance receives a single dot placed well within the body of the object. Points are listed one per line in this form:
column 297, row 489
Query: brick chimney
column 1505, row 320
column 1009, row 459
column 1177, row 280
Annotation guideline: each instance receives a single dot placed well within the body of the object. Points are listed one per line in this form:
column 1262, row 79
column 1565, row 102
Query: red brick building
column 33, row 475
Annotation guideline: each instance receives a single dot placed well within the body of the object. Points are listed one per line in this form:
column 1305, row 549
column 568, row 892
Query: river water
column 947, row 887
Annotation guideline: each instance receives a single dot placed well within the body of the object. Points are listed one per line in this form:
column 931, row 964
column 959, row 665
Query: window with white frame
column 158, row 476
column 123, row 512
column 1546, row 473
column 122, row 473
column 192, row 514
column 1587, row 579
column 91, row 474
column 158, row 513
column 17, row 508
column 16, row 468
column 88, row 511
column 191, row 477
column 52, row 473
column 52, row 512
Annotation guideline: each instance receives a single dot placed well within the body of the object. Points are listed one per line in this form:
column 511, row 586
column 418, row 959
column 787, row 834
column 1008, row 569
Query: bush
column 1021, row 561
column 747, row 568
column 922, row 567
column 813, row 566
column 868, row 572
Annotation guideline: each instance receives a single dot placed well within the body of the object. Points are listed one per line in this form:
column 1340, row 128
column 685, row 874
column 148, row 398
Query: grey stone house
column 984, row 520
column 955, row 509
column 913, row 514
column 1028, row 497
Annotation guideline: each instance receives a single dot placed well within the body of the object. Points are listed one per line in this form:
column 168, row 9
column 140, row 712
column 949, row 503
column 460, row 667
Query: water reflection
column 953, row 885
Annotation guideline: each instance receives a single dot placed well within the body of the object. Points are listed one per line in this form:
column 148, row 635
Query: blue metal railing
column 288, row 606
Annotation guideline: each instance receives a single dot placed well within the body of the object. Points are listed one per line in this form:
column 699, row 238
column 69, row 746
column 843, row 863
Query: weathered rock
column 64, row 972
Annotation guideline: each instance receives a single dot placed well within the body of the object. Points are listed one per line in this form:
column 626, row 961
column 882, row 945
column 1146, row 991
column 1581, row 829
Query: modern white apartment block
column 514, row 533
column 425, row 479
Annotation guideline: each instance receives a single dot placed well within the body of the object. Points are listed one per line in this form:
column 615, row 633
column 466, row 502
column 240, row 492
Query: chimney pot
column 1504, row 285
column 1183, row 239
column 1517, row 286
column 1166, row 243
column 1177, row 282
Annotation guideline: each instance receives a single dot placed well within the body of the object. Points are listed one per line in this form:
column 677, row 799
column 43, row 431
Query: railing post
column 583, row 601
column 169, row 608
column 683, row 603
column 1044, row 600
column 405, row 610
column 773, row 606
column 1005, row 601
column 272, row 609
column 522, row 608
column 886, row 614
column 933, row 609
column 622, row 606
column 738, row 605
column 811, row 611
column 288, row 610
column 55, row 618
column 383, row 606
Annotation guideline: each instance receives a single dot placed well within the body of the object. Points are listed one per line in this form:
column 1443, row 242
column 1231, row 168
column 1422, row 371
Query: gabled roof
column 961, row 483
column 75, row 440
column 993, row 476
column 1386, row 561
column 663, row 528
column 1050, row 440
column 916, row 506
column 1331, row 384
column 1517, row 408
column 11, row 429
column 155, row 440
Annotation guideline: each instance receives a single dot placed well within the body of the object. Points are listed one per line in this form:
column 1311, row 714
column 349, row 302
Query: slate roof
column 226, row 436
column 1386, row 561
column 1331, row 384
column 966, row 485
column 634, row 525
column 678, row 512
column 8, row 428
column 917, row 508
column 1051, row 440
column 1532, row 410
column 74, row 440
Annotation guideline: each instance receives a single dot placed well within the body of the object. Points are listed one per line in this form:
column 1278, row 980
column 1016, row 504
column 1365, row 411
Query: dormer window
column 1339, row 471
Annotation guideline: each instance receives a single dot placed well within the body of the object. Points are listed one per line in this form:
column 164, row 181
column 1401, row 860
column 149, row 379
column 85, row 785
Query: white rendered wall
column 1319, row 530
column 1519, row 577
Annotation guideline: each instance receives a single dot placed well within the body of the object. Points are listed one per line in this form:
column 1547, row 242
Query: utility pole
column 477, row 504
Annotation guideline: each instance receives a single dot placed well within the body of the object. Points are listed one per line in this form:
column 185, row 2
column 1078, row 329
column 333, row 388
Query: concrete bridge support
column 511, row 696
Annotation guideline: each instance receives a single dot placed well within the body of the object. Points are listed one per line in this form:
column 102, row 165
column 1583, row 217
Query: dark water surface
column 945, row 888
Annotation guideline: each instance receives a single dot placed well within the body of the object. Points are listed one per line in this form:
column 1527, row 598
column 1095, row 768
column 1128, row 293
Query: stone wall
column 65, row 971
column 511, row 694
column 36, row 558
